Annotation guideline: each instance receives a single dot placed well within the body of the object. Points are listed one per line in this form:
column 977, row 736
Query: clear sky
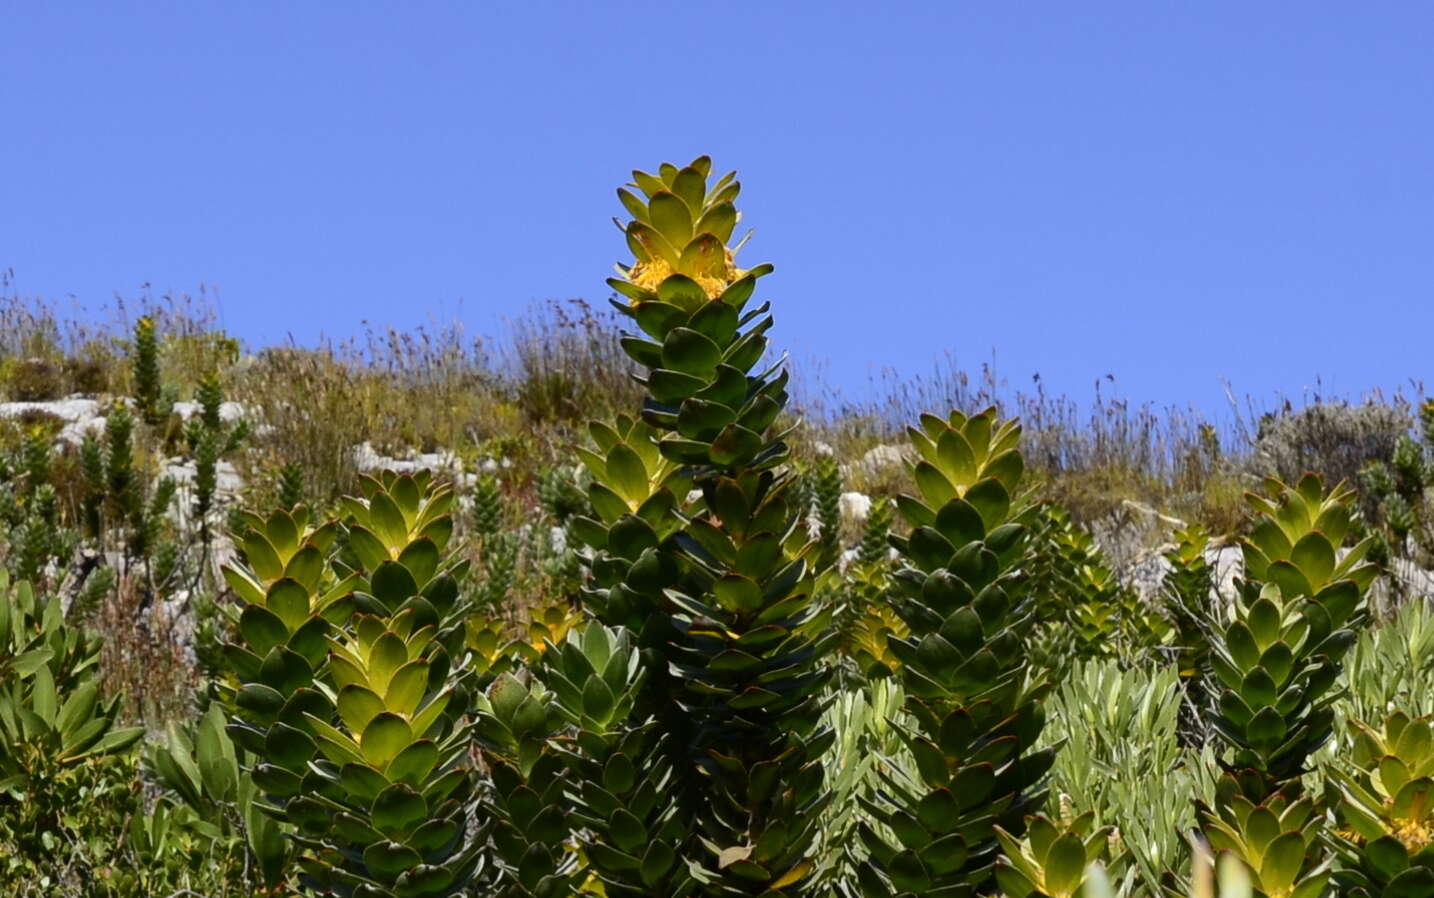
column 1173, row 193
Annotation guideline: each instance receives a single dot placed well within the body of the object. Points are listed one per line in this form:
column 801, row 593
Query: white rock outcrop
column 80, row 416
column 879, row 460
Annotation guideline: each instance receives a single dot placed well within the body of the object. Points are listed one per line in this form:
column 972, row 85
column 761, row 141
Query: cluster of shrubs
column 650, row 655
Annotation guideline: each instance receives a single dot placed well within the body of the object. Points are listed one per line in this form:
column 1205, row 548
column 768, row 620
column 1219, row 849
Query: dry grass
column 523, row 397
column 522, row 400
column 143, row 656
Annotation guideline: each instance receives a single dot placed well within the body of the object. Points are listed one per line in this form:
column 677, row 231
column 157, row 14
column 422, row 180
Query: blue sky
column 1170, row 193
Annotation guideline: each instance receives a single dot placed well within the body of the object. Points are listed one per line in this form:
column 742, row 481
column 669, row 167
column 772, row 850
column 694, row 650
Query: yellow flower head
column 649, row 275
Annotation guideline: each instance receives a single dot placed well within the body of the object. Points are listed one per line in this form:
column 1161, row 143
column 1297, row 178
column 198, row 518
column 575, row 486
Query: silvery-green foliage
column 1393, row 666
column 1121, row 758
column 865, row 717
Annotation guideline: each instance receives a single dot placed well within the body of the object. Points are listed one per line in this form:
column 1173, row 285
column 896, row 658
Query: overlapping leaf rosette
column 1275, row 661
column 636, row 494
column 964, row 666
column 391, row 783
column 347, row 689
column 1051, row 861
column 1384, row 799
column 697, row 548
column 1277, row 840
column 623, row 773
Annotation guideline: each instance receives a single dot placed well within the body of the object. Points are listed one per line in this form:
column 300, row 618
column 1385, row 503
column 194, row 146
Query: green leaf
column 79, row 707
column 630, row 536
column 1241, row 644
column 1290, row 579
column 218, row 765
column 960, row 522
column 368, row 547
column 935, row 489
column 1415, row 801
column 990, row 498
column 606, row 857
column 681, row 292
column 656, row 318
column 358, row 706
column 259, row 699
column 1314, row 556
column 656, row 862
column 598, row 700
column 385, row 736
column 957, row 460
column 311, row 641
column 116, row 741
column 717, row 320
column 1258, row 688
column 434, row 835
column 290, row 601
column 1065, row 865
column 619, row 775
column 740, row 291
column 43, row 700
column 413, row 764
column 393, row 584
column 388, row 521
column 644, row 352
column 608, row 504
column 398, row 810
column 735, row 445
column 1282, row 862
column 699, row 419
column 690, row 184
column 1007, row 467
column 719, row 221
column 1278, row 660
column 1266, row 729
column 282, row 533
column 737, row 594
column 288, row 747
column 247, row 588
column 388, row 654
column 387, row 860
column 1417, row 882
column 506, row 694
column 422, row 558
column 690, row 352
column 705, row 256
column 672, row 217
column 406, row 688
column 626, row 473
column 908, row 873
column 929, row 549
column 531, row 718
column 627, row 832
column 1387, row 855
column 634, row 206
column 647, row 183
column 262, row 557
column 1264, row 622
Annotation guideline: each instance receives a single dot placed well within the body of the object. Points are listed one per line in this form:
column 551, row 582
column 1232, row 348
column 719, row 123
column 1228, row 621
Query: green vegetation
column 615, row 614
